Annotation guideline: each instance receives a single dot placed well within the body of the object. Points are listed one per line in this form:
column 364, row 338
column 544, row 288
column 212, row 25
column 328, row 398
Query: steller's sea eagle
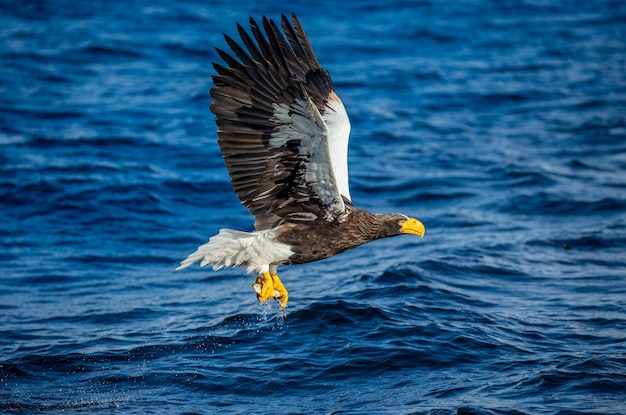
column 284, row 134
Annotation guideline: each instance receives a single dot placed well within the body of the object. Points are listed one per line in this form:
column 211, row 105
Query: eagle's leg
column 270, row 286
column 283, row 295
column 264, row 287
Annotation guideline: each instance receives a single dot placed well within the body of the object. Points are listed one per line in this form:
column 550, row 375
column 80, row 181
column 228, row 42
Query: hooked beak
column 412, row 226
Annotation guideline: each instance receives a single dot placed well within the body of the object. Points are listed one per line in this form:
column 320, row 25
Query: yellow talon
column 264, row 287
column 270, row 286
column 283, row 295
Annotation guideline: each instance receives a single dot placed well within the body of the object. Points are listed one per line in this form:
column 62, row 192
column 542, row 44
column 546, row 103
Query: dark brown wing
column 274, row 106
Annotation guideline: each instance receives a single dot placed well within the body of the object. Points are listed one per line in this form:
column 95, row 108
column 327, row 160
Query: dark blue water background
column 500, row 124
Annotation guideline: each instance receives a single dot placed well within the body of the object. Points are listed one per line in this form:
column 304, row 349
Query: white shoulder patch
column 302, row 121
column 338, row 124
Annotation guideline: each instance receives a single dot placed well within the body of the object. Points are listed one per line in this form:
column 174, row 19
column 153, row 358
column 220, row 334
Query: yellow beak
column 412, row 226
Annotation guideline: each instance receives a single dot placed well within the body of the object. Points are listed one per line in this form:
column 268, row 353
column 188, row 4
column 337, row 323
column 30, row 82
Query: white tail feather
column 230, row 248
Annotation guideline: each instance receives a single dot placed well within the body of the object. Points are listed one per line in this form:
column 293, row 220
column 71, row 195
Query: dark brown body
column 312, row 241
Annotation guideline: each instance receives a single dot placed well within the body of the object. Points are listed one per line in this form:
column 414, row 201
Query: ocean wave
column 499, row 125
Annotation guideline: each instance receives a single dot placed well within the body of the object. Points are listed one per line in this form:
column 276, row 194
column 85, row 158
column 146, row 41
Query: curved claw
column 283, row 295
column 264, row 287
column 270, row 286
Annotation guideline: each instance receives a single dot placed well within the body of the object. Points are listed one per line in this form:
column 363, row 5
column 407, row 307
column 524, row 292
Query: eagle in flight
column 284, row 136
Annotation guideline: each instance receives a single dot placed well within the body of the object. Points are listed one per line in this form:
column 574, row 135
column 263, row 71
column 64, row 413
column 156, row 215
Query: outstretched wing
column 282, row 129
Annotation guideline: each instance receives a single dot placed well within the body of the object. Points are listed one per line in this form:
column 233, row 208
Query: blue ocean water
column 500, row 124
